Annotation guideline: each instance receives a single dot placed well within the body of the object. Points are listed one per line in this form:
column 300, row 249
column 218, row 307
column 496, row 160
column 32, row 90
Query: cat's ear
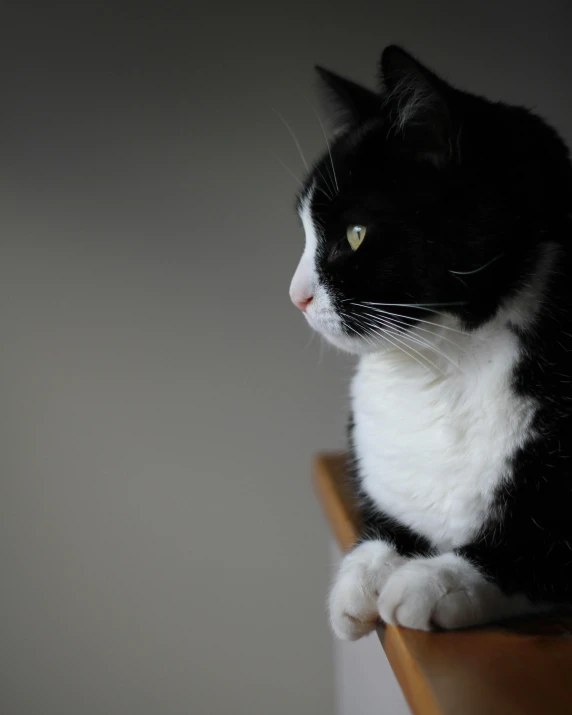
column 346, row 102
column 416, row 100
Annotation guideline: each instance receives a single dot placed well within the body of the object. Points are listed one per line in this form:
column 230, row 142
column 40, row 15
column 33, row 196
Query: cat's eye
column 355, row 234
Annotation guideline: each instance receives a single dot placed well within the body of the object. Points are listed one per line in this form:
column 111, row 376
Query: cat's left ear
column 347, row 103
column 417, row 104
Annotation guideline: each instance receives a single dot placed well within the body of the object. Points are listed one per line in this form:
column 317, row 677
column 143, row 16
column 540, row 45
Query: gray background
column 161, row 549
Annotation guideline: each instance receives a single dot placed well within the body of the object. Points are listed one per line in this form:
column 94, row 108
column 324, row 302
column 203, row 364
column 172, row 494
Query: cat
column 438, row 250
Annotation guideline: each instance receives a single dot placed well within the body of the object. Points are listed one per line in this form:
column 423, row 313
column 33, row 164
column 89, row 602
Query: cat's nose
column 301, row 294
column 302, row 303
column 302, row 286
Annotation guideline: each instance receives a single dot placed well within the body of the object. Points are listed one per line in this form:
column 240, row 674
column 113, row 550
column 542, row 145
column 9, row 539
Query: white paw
column 360, row 580
column 444, row 592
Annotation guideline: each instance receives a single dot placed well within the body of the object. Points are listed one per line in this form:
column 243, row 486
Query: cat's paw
column 444, row 592
column 361, row 578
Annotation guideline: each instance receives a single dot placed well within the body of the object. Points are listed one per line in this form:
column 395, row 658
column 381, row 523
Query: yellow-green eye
column 355, row 235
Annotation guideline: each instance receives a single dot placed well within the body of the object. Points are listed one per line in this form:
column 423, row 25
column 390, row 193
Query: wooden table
column 521, row 668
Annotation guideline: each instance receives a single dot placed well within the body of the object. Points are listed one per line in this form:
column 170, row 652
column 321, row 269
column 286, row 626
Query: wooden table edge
column 344, row 523
column 519, row 668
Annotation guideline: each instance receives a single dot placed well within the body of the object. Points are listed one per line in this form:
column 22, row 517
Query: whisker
column 409, row 305
column 367, row 325
column 321, row 353
column 323, row 191
column 482, row 268
column 384, row 331
column 460, row 280
column 356, row 332
column 397, row 334
column 360, row 335
column 330, row 183
column 415, row 305
column 394, row 324
column 398, row 347
column 426, row 330
column 421, row 342
column 292, row 174
column 402, row 323
column 289, row 128
column 298, row 180
column 311, row 340
column 327, row 144
column 330, row 188
column 419, row 320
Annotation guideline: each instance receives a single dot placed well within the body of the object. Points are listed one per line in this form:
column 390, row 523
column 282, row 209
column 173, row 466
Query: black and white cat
column 439, row 249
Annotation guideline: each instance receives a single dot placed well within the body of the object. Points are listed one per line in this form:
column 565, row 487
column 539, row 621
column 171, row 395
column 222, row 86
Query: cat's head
column 430, row 203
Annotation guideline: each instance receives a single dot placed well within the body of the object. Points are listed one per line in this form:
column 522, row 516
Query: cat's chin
column 353, row 345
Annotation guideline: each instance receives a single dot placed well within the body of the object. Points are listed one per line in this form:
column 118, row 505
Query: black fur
column 462, row 182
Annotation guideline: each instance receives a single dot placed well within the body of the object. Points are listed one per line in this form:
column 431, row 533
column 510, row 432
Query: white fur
column 444, row 591
column 433, row 447
column 361, row 578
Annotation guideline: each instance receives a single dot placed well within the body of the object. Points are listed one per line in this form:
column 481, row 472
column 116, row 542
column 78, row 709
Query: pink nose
column 302, row 303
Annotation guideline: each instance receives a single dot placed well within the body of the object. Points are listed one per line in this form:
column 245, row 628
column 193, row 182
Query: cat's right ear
column 346, row 102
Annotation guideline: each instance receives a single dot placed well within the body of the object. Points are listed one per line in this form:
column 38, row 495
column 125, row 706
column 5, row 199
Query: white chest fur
column 432, row 448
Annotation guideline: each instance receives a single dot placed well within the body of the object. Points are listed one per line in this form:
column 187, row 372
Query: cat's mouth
column 325, row 322
column 336, row 331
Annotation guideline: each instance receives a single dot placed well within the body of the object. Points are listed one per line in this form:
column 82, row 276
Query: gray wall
column 161, row 547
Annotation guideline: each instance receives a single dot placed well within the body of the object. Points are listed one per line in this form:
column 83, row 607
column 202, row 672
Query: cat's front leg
column 363, row 573
column 445, row 591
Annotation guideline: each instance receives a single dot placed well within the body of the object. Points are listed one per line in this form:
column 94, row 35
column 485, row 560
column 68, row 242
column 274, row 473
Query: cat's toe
column 446, row 592
column 409, row 598
column 353, row 598
column 353, row 608
column 443, row 592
